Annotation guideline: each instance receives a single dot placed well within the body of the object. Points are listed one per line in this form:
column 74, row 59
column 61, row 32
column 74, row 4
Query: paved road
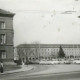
column 50, row 76
column 17, row 75
column 68, row 76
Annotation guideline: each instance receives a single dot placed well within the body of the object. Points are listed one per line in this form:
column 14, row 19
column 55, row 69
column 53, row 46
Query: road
column 52, row 76
column 16, row 75
column 68, row 76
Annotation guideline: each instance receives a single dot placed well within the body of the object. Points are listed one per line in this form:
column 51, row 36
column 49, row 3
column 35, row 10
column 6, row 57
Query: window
column 2, row 25
column 2, row 38
column 2, row 54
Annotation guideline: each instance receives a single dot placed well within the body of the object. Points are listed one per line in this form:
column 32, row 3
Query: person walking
column 1, row 67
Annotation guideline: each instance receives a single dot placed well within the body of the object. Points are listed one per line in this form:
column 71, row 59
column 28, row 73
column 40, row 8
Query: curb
column 15, row 71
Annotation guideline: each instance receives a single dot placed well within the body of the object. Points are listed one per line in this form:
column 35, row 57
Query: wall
column 8, row 31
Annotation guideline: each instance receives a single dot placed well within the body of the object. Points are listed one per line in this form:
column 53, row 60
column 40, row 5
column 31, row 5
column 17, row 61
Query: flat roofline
column 49, row 45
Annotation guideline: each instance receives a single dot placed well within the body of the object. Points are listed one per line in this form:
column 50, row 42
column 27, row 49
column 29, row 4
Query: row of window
column 49, row 49
column 76, row 51
column 32, row 58
column 57, row 52
column 2, row 36
column 57, row 49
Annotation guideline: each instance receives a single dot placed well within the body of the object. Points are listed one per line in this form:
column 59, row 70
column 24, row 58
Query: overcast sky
column 45, row 21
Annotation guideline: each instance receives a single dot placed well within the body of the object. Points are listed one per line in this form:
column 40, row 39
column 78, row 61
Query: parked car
column 43, row 62
column 65, row 62
column 49, row 62
column 55, row 62
column 76, row 61
column 61, row 61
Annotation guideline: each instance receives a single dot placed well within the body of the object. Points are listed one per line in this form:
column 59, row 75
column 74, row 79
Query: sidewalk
column 23, row 68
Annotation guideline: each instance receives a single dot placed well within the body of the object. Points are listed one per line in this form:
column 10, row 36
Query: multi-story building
column 47, row 51
column 6, row 36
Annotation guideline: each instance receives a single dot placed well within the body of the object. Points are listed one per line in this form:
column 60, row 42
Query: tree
column 24, row 51
column 61, row 53
column 37, row 49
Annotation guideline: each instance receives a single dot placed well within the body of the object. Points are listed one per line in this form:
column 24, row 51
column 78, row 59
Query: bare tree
column 37, row 49
column 24, row 50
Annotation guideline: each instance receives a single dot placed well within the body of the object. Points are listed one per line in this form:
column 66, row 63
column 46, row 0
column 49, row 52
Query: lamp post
column 39, row 52
column 74, row 51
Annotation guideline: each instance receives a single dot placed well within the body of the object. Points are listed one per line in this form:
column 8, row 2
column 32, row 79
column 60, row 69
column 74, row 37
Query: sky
column 45, row 21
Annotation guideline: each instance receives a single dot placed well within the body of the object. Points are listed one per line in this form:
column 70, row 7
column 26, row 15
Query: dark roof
column 49, row 45
column 4, row 13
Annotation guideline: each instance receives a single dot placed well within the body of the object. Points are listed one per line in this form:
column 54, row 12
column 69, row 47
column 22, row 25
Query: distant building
column 47, row 51
column 6, row 36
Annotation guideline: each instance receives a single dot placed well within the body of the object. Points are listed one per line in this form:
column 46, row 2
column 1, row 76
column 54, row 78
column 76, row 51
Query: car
column 42, row 62
column 55, row 62
column 76, row 61
column 49, row 62
column 61, row 61
column 65, row 62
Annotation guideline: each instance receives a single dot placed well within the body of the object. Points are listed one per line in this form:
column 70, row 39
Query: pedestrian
column 1, row 67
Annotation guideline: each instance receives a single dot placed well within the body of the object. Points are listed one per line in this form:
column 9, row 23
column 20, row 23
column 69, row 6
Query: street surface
column 68, row 76
column 16, row 75
column 30, row 75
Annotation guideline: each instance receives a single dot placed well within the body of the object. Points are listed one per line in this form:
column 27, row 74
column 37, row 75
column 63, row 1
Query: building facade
column 47, row 51
column 6, row 35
